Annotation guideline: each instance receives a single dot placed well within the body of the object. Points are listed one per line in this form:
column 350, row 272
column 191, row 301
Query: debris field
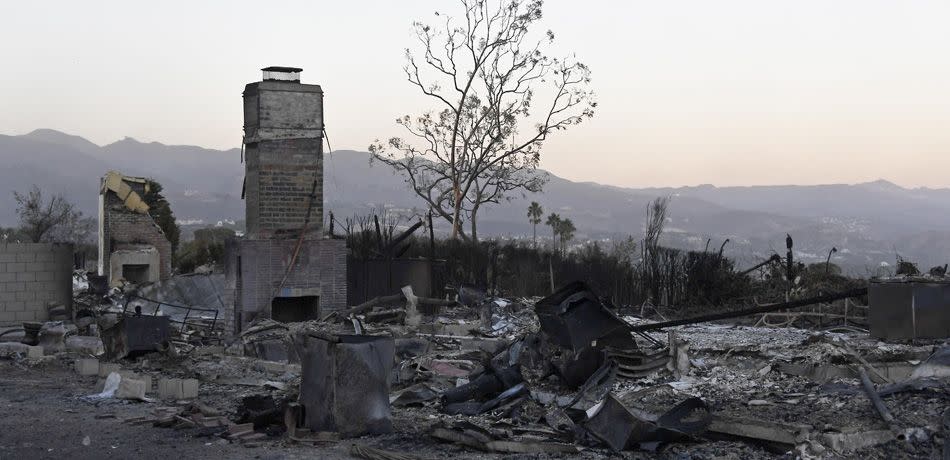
column 407, row 377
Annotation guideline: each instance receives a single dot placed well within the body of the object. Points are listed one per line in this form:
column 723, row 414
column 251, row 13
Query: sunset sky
column 690, row 92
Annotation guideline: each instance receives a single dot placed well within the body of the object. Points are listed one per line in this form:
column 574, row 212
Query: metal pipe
column 752, row 311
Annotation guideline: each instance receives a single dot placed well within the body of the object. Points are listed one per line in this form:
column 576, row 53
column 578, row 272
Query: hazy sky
column 690, row 92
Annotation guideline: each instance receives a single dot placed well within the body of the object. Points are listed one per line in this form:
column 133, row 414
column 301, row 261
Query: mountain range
column 868, row 223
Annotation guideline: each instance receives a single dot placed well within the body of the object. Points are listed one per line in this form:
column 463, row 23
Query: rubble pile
column 560, row 375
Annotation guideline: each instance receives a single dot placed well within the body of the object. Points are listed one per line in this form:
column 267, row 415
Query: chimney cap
column 276, row 73
column 282, row 69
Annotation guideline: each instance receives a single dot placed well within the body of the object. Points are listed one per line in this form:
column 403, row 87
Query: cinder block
column 6, row 277
column 130, row 389
column 6, row 296
column 36, row 266
column 25, row 295
column 26, row 277
column 169, row 388
column 44, row 276
column 43, row 257
column 7, row 257
column 147, row 379
column 26, row 315
column 26, row 257
column 189, row 388
column 7, row 317
column 16, row 267
column 36, row 351
column 14, row 305
column 177, row 388
column 107, row 368
column 87, row 366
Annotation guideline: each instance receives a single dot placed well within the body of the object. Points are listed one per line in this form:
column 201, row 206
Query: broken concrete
column 87, row 366
column 85, row 345
column 16, row 349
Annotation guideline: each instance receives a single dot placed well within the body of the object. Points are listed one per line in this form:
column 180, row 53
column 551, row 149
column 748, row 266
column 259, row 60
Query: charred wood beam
column 379, row 234
column 402, row 251
column 431, row 238
column 371, row 303
column 876, row 400
column 386, row 300
column 774, row 258
column 856, row 292
column 402, row 237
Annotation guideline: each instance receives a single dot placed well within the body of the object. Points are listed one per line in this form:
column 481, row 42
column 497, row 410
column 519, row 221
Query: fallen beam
column 385, row 300
column 786, row 434
column 752, row 311
column 876, row 400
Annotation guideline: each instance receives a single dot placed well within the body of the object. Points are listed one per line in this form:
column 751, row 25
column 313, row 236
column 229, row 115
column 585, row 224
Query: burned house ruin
column 285, row 268
column 132, row 247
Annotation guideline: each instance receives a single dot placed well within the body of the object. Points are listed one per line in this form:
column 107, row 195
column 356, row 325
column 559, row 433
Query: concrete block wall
column 256, row 267
column 31, row 276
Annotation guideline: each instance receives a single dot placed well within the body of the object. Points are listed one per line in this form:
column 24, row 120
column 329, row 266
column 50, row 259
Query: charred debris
column 562, row 375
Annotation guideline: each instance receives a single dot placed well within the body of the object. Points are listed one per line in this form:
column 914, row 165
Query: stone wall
column 31, row 276
column 256, row 267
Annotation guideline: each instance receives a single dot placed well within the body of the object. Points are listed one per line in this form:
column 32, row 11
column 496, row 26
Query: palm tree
column 535, row 212
column 554, row 221
column 566, row 230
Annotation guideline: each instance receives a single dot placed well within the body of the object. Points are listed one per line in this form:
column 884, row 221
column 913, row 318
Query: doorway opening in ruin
column 295, row 309
column 135, row 273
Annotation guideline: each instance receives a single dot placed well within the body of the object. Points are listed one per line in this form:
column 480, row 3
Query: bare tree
column 484, row 73
column 656, row 220
column 56, row 220
column 624, row 249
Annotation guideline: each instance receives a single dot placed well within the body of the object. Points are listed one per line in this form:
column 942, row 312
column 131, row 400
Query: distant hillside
column 868, row 223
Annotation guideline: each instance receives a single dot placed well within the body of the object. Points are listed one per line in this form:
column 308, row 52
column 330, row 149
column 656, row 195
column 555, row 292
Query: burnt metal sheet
column 615, row 426
column 574, row 318
column 637, row 363
column 909, row 310
column 345, row 383
column 889, row 312
column 620, row 429
column 932, row 311
column 135, row 335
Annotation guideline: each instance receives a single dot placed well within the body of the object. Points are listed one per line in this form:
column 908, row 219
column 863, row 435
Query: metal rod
column 184, row 321
column 752, row 311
